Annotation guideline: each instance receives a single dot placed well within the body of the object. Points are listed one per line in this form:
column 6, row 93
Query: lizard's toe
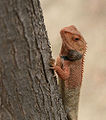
column 52, row 62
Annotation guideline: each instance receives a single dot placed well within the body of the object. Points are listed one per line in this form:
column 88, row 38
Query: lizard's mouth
column 73, row 55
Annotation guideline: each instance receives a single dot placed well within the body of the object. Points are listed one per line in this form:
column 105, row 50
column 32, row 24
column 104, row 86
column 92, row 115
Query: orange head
column 73, row 43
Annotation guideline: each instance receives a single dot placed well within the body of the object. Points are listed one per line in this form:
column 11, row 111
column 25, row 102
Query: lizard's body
column 70, row 89
column 69, row 67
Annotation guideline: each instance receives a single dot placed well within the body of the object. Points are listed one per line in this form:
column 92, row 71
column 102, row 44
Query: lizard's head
column 73, row 42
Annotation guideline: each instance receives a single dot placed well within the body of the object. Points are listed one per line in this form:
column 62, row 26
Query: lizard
column 69, row 68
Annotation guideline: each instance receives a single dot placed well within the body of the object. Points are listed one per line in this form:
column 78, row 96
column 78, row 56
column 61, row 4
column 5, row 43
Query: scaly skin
column 69, row 68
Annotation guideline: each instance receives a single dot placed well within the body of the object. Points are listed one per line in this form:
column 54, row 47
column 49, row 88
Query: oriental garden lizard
column 69, row 68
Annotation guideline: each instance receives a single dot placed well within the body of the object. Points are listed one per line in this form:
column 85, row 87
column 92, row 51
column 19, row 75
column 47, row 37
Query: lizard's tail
column 71, row 101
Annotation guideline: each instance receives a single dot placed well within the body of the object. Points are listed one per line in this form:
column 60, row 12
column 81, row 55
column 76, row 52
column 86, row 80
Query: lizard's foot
column 51, row 68
column 52, row 63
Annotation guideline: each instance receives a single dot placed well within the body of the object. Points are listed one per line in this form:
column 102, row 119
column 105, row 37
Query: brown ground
column 89, row 16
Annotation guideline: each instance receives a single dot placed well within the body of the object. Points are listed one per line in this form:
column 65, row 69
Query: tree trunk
column 28, row 89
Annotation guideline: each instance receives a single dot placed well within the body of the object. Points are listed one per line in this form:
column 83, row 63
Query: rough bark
column 28, row 90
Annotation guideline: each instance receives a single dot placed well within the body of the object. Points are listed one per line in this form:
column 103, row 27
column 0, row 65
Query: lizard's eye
column 76, row 38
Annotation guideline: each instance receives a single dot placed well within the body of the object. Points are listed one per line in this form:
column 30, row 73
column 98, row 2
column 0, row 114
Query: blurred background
column 89, row 16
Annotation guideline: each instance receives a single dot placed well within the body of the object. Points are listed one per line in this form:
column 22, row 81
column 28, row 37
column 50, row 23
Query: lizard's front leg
column 62, row 73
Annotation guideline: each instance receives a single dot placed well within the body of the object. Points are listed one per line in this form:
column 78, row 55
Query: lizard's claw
column 51, row 68
column 52, row 62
